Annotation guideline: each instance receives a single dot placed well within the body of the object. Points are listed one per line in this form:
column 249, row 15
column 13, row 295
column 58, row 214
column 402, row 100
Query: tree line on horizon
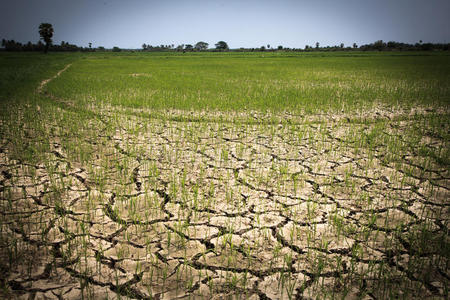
column 376, row 46
column 46, row 35
column 12, row 45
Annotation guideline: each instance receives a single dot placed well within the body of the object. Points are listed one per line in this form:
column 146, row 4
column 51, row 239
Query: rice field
column 225, row 176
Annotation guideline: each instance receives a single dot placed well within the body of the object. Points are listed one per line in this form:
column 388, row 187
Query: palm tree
column 46, row 33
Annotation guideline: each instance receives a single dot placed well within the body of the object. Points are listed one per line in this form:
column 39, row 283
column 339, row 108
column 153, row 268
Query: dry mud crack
column 174, row 210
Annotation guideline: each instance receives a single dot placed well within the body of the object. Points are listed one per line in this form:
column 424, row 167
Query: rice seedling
column 225, row 175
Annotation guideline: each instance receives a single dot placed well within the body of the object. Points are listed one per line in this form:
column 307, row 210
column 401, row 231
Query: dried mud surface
column 210, row 210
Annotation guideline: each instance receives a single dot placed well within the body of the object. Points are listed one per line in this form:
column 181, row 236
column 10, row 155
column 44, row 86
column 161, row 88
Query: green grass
column 21, row 73
column 303, row 83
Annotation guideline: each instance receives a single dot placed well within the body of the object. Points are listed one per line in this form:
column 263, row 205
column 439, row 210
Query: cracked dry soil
column 210, row 210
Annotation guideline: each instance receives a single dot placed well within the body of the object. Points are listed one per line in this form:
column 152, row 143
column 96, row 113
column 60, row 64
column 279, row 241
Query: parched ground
column 212, row 206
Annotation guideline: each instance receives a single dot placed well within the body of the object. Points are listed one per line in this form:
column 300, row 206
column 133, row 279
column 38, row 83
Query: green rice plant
column 326, row 148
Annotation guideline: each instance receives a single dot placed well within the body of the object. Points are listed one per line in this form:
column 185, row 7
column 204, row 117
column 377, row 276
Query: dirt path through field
column 46, row 81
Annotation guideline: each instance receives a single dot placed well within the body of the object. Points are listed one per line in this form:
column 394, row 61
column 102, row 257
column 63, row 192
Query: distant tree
column 355, row 46
column 90, row 45
column 200, row 46
column 280, row 47
column 262, row 48
column 268, row 46
column 188, row 47
column 144, row 46
column 3, row 43
column 40, row 45
column 28, row 47
column 392, row 45
column 116, row 49
column 379, row 45
column 101, row 48
column 221, row 45
column 341, row 45
column 12, row 45
column 426, row 46
column 46, row 33
column 317, row 45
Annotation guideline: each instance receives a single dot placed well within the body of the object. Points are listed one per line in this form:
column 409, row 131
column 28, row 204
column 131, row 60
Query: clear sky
column 241, row 23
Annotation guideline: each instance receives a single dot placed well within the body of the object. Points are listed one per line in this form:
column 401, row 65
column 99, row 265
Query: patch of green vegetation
column 21, row 73
column 276, row 82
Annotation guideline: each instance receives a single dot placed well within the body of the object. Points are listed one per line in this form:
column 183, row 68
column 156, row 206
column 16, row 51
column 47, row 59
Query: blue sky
column 244, row 23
